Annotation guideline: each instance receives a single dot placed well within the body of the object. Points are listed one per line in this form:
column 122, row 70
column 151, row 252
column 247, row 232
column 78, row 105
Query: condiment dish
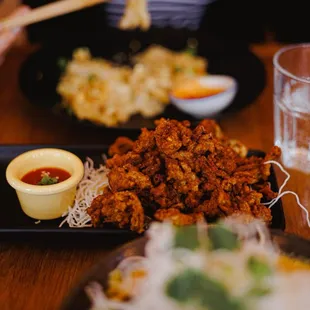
column 45, row 202
column 211, row 104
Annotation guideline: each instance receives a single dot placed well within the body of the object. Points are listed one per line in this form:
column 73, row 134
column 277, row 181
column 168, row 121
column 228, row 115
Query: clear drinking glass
column 292, row 105
column 292, row 126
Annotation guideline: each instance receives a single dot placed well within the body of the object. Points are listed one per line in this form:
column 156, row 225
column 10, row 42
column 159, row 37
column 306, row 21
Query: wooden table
column 39, row 278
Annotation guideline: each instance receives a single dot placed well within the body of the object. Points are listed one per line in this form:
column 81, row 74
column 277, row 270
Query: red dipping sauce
column 34, row 177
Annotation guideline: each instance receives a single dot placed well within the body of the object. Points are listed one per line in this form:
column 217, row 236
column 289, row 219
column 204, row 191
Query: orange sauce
column 194, row 90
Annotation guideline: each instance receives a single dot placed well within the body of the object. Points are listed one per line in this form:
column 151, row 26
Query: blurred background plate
column 40, row 74
column 77, row 299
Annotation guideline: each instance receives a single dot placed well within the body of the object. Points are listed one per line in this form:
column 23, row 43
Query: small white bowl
column 45, row 202
column 211, row 105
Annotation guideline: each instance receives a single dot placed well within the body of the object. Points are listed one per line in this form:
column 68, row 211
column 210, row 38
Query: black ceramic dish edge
column 10, row 151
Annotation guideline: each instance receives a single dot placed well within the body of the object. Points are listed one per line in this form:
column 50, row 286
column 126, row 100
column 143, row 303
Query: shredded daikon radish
column 92, row 185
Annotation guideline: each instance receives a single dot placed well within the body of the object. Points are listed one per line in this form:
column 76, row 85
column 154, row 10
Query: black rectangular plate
column 15, row 225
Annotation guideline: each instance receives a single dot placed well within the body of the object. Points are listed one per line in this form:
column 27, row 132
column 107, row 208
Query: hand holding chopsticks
column 46, row 12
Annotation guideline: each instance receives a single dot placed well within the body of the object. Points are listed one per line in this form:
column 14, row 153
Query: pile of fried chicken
column 183, row 175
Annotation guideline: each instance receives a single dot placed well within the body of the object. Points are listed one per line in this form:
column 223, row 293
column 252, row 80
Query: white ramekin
column 45, row 202
column 212, row 105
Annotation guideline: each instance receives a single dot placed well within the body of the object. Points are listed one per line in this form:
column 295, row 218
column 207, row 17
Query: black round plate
column 40, row 74
column 77, row 299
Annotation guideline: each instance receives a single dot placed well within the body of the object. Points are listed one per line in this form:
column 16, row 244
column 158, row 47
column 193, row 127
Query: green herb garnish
column 67, row 108
column 222, row 238
column 259, row 291
column 186, row 237
column 178, row 69
column 62, row 63
column 92, row 77
column 193, row 286
column 47, row 180
column 258, row 268
column 191, row 50
column 190, row 71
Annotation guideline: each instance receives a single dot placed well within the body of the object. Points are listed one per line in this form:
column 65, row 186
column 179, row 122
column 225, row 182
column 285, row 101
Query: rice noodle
column 92, row 184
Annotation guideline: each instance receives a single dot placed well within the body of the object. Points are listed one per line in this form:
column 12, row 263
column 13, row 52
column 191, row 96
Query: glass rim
column 284, row 71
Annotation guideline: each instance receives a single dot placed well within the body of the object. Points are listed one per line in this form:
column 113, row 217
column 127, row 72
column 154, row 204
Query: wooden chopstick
column 46, row 12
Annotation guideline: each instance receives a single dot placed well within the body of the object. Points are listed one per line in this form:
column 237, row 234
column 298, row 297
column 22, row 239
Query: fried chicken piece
column 198, row 131
column 252, row 197
column 121, row 146
column 158, row 178
column 224, row 159
column 253, row 169
column 265, row 189
column 182, row 176
column 94, row 211
column 130, row 158
column 211, row 175
column 186, row 157
column 247, row 201
column 122, row 209
column 166, row 196
column 212, row 127
column 121, row 179
column 249, row 171
column 184, row 131
column 160, row 195
column 238, row 147
column 210, row 206
column 184, row 123
column 167, row 137
column 204, row 144
column 274, row 154
column 177, row 218
column 219, row 204
column 151, row 164
column 262, row 212
column 146, row 141
column 171, row 135
column 249, row 177
column 193, row 199
column 224, row 200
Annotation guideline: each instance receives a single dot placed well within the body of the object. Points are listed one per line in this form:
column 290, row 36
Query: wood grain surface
column 39, row 277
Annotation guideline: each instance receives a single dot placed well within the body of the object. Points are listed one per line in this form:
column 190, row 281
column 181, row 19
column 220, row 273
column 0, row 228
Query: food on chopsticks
column 136, row 15
column 97, row 90
column 46, row 176
column 176, row 173
column 233, row 266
